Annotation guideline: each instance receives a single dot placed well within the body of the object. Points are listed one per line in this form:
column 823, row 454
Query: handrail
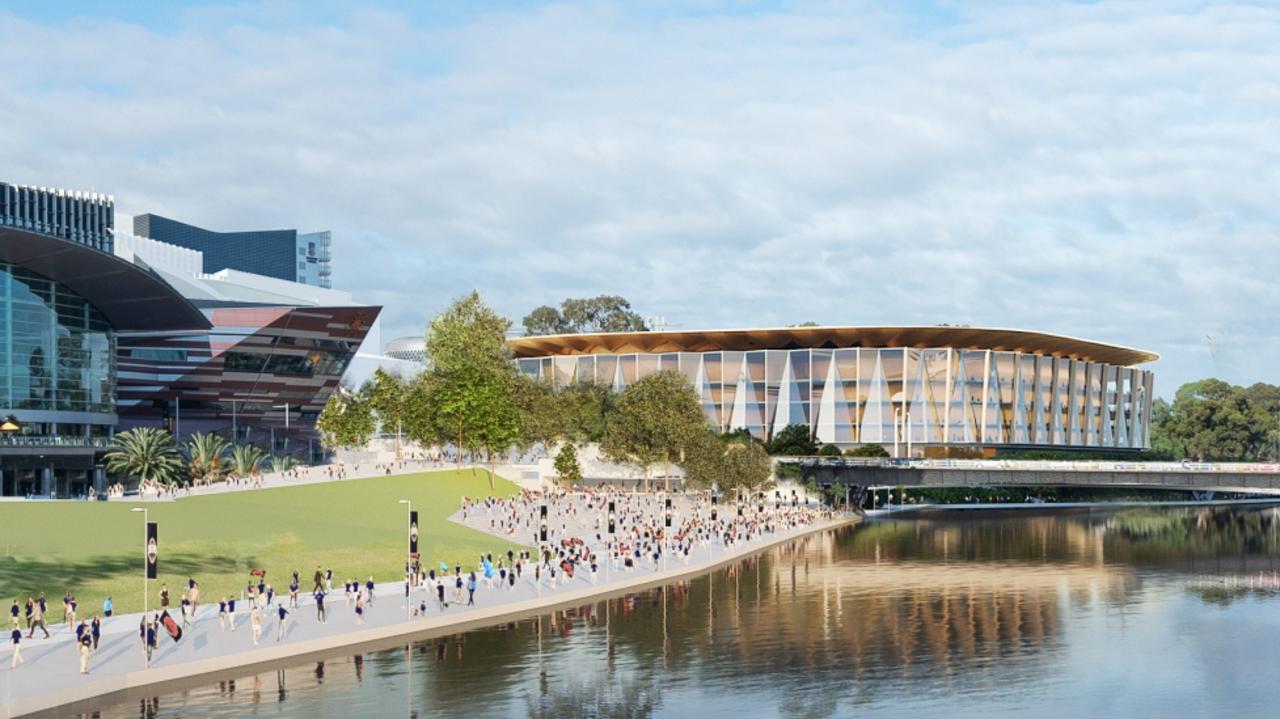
column 1043, row 465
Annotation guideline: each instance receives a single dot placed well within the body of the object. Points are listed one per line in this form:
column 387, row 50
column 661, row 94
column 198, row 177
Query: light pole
column 408, row 600
column 145, row 515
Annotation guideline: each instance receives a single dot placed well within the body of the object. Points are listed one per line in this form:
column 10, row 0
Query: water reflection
column 936, row 613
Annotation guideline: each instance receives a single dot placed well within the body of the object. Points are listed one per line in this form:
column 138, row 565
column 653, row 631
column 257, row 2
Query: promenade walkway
column 50, row 677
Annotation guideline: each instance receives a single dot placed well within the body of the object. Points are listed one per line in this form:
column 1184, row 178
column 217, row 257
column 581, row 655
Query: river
column 1103, row 613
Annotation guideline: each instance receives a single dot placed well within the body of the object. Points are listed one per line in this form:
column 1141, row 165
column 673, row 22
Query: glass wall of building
column 911, row 396
column 57, row 351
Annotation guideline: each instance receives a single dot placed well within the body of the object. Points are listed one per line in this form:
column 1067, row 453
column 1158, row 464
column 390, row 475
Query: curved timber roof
column 831, row 337
column 129, row 296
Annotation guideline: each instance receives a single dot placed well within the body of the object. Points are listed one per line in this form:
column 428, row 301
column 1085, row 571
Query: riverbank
column 49, row 685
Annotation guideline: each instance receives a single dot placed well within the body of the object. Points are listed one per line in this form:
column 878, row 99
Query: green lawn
column 94, row 549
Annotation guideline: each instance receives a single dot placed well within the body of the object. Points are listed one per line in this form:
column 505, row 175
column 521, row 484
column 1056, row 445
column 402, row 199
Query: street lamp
column 408, row 612
column 145, row 516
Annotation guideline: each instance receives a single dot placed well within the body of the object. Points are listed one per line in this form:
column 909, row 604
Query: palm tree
column 246, row 461
column 147, row 453
column 284, row 463
column 205, row 453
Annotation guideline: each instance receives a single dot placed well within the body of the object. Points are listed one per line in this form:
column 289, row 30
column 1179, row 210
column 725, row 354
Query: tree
column 147, row 453
column 603, row 313
column 653, row 421
column 829, row 450
column 472, row 389
column 727, row 461
column 386, row 394
column 748, row 466
column 205, row 457
column 1213, row 420
column 544, row 320
column 246, row 461
column 792, row 440
column 868, row 450
column 567, row 467
column 346, row 420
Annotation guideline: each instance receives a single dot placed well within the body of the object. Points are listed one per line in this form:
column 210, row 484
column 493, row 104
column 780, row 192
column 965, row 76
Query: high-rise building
column 283, row 254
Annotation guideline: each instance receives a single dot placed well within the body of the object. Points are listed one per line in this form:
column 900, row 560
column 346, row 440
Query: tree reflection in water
column 942, row 605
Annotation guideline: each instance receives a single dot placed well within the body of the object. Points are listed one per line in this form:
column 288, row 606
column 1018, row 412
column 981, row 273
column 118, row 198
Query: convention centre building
column 927, row 390
column 102, row 331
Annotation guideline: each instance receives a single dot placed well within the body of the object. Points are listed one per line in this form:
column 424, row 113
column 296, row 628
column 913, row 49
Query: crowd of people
column 577, row 536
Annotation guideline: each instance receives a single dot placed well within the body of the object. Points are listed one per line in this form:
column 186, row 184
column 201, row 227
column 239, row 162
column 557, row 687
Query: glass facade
column 57, row 350
column 921, row 396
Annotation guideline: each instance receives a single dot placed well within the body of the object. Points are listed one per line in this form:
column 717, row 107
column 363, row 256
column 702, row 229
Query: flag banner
column 153, row 550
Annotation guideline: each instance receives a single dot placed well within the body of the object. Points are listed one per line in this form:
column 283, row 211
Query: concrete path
column 50, row 677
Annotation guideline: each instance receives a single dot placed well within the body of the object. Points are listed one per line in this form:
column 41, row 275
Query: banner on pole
column 153, row 550
column 413, row 533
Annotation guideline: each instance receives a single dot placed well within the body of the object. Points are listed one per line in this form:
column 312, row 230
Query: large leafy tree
column 346, row 420
column 471, row 394
column 603, row 313
column 728, row 461
column 147, row 453
column 1213, row 420
column 206, row 456
column 653, row 421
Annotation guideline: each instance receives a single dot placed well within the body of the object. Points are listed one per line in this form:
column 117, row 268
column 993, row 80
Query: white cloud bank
column 1105, row 170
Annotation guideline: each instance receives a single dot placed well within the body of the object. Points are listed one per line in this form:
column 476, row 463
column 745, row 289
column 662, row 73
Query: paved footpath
column 50, row 677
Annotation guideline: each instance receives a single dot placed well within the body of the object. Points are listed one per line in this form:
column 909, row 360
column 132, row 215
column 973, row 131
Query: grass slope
column 356, row 527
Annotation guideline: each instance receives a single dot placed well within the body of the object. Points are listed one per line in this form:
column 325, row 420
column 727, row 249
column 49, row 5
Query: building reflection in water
column 940, row 597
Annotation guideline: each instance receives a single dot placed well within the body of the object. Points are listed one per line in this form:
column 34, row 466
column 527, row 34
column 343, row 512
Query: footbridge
column 1186, row 476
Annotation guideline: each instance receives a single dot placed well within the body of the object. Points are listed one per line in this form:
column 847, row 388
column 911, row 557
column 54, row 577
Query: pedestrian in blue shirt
column 15, row 638
column 320, row 608
column 107, row 607
column 283, row 613
column 369, row 587
column 471, row 589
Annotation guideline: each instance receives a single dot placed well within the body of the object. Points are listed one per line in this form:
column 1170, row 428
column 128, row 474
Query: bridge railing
column 1014, row 465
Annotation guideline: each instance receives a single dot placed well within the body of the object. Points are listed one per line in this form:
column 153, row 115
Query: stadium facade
column 101, row 330
column 923, row 390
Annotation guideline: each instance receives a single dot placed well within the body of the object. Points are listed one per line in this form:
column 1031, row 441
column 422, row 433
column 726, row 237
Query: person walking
column 255, row 622
column 369, row 588
column 164, row 597
column 471, row 589
column 15, row 638
column 152, row 640
column 284, row 614
column 107, row 607
column 85, row 643
column 319, row 580
column 359, row 608
column 231, row 611
column 14, row 613
column 320, row 607
column 328, row 580
column 440, row 593
column 222, row 614
column 293, row 593
column 30, row 609
column 37, row 622
column 95, row 629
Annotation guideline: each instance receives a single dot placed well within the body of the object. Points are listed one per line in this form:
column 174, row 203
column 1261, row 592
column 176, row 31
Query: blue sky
column 1105, row 170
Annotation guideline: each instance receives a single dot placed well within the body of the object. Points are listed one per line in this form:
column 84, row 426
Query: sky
column 1107, row 170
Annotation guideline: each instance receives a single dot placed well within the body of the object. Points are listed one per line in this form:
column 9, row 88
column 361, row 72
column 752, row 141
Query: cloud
column 1103, row 170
